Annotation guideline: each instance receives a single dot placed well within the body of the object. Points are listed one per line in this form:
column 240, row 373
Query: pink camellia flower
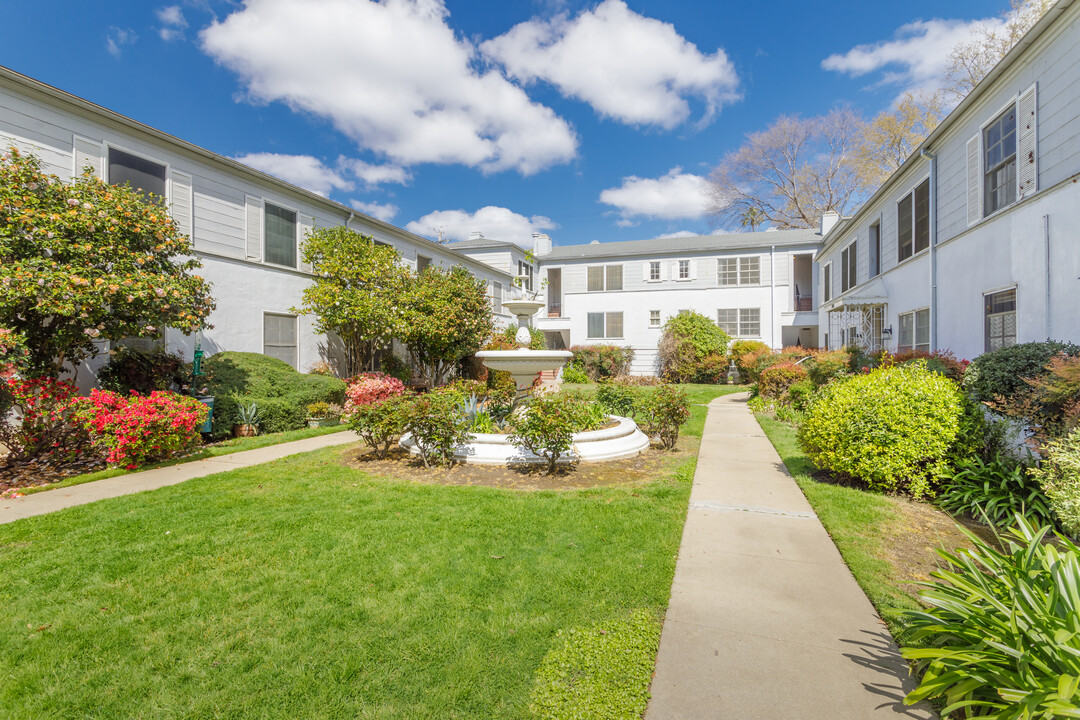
column 72, row 202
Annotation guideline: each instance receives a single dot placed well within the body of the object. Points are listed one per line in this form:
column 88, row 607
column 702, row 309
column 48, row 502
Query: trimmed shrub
column 994, row 491
column 1050, row 404
column 741, row 348
column 617, row 398
column 142, row 371
column 1002, row 371
column 437, row 425
column 599, row 361
column 574, row 373
column 547, row 426
column 800, row 394
column 941, row 362
column 689, row 338
column 892, row 428
column 663, row 411
column 602, row 672
column 1059, row 476
column 281, row 392
column 827, row 365
column 1000, row 639
column 135, row 429
column 776, row 379
column 382, row 422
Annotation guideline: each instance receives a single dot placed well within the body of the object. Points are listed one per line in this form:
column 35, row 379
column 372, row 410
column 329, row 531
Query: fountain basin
column 523, row 361
column 624, row 440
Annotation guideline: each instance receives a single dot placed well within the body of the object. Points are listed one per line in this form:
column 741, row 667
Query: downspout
column 933, row 247
column 1046, row 242
column 772, row 295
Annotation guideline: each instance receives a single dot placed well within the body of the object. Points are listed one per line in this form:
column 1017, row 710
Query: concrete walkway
column 766, row 620
column 60, row 498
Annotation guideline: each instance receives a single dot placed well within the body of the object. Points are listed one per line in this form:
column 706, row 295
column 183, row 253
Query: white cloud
column 497, row 223
column 375, row 174
column 915, row 58
column 384, row 212
column 117, row 38
column 172, row 22
column 674, row 196
column 677, row 234
column 634, row 69
column 393, row 77
column 303, row 170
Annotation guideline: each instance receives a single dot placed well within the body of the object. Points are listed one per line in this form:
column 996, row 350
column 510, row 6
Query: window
column 497, row 296
column 605, row 277
column 848, row 268
column 684, row 269
column 1000, row 319
column 422, row 263
column 913, row 221
column 525, row 272
column 727, row 271
column 875, row 250
column 826, row 282
column 999, row 162
column 141, row 174
column 914, row 330
column 740, row 322
column 654, row 270
column 279, row 337
column 280, row 239
column 605, row 325
column 654, row 318
column 738, row 271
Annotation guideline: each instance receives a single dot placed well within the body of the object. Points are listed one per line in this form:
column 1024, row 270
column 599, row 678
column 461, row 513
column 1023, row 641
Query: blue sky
column 585, row 120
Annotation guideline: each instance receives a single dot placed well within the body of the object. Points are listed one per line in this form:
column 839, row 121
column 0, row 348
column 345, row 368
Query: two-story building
column 754, row 285
column 245, row 226
column 972, row 244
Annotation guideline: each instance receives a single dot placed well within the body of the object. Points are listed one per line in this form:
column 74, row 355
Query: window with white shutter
column 253, row 231
column 1027, row 156
column 180, row 201
column 307, row 224
column 974, row 182
column 87, row 153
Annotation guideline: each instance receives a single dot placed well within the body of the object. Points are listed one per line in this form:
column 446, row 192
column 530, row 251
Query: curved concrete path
column 60, row 498
column 765, row 619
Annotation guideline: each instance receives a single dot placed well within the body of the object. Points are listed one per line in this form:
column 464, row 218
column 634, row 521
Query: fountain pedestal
column 523, row 364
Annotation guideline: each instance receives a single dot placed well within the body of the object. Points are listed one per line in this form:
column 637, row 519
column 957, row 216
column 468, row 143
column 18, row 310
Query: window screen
column 279, row 337
column 280, row 236
column 141, row 174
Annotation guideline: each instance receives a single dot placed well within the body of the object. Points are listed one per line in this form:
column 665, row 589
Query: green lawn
column 305, row 589
column 226, row 447
column 853, row 518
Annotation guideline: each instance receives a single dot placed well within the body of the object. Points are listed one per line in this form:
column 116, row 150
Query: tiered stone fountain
column 622, row 440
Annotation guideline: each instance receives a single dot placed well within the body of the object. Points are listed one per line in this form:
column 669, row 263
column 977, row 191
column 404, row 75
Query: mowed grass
column 853, row 518
column 305, row 589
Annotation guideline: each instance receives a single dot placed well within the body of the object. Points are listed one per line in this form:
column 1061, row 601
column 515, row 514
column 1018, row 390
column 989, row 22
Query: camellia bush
column 663, row 412
column 47, row 428
column 546, row 428
column 692, row 349
column 134, row 429
column 86, row 261
column 437, row 426
column 371, row 387
column 382, row 422
column 1002, row 372
column 892, row 428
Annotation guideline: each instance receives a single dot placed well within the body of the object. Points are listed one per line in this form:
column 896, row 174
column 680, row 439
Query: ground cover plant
column 304, row 588
column 995, row 491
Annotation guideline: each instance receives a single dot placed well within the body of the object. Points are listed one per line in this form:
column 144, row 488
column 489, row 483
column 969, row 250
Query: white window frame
column 739, row 322
column 296, row 234
column 826, row 282
column 604, row 277
column 986, row 317
column 984, row 171
column 654, row 319
column 679, row 265
column 167, row 197
column 296, row 321
column 848, row 274
column 873, row 249
column 915, row 344
column 914, row 217
column 657, row 276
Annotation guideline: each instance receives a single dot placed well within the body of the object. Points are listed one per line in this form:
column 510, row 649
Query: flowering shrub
column 547, row 427
column 437, row 426
column 663, row 411
column 382, row 422
column 371, row 387
column 45, row 427
column 134, row 429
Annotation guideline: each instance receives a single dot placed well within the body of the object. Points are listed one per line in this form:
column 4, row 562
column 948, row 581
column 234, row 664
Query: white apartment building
column 245, row 226
column 756, row 286
column 972, row 244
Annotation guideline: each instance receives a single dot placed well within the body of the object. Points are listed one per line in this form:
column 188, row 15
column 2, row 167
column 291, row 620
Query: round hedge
column 891, row 428
column 1002, row 371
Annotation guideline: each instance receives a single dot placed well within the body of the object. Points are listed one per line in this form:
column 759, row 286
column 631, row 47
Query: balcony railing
column 554, row 309
column 804, row 304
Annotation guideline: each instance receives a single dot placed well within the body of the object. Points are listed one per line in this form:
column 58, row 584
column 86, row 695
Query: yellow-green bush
column 1059, row 476
column 891, row 428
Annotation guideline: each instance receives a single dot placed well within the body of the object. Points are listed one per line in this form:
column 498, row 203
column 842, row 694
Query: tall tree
column 792, row 172
column 751, row 217
column 970, row 61
column 890, row 138
column 447, row 317
column 86, row 261
column 357, row 293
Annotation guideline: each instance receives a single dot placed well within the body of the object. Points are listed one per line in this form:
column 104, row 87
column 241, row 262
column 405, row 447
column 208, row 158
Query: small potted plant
column 247, row 420
column 323, row 414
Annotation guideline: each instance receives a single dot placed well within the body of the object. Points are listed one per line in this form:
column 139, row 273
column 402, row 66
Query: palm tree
column 752, row 217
